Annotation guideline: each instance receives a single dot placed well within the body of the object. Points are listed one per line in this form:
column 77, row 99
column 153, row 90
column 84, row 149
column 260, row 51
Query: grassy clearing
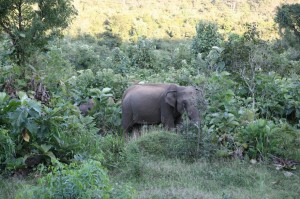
column 158, row 173
column 216, row 179
column 10, row 186
column 173, row 178
column 153, row 165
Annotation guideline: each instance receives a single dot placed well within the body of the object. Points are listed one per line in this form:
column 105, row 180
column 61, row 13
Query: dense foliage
column 30, row 24
column 248, row 83
column 287, row 17
column 87, row 180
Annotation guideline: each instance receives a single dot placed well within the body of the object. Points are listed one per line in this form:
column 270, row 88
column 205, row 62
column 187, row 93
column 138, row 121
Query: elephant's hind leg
column 127, row 122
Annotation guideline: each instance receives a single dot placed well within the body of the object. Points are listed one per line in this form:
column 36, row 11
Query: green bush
column 7, row 146
column 118, row 61
column 262, row 139
column 39, row 134
column 109, row 39
column 107, row 110
column 278, row 97
column 181, row 56
column 86, row 180
column 112, row 147
column 207, row 36
column 51, row 67
column 141, row 54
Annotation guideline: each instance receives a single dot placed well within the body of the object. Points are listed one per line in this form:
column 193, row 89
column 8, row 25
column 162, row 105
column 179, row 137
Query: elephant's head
column 86, row 107
column 184, row 98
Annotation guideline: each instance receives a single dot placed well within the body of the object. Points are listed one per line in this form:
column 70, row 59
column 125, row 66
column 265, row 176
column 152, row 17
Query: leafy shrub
column 141, row 54
column 52, row 68
column 107, row 78
column 79, row 87
column 41, row 134
column 106, row 113
column 132, row 161
column 118, row 61
column 106, row 110
column 86, row 180
column 207, row 36
column 285, row 141
column 109, row 39
column 235, row 52
column 112, row 147
column 211, row 63
column 262, row 138
column 10, row 80
column 7, row 146
column 181, row 56
column 198, row 142
column 278, row 97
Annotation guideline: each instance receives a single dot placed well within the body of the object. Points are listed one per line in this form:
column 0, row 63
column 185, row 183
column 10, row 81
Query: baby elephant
column 158, row 103
column 86, row 107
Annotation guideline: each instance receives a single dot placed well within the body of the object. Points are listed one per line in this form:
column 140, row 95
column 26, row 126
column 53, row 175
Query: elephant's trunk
column 194, row 116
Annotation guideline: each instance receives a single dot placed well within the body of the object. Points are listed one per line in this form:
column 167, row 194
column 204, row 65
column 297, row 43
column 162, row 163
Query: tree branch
column 7, row 30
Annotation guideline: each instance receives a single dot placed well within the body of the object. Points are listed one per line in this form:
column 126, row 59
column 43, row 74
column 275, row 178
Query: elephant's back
column 146, row 88
column 143, row 103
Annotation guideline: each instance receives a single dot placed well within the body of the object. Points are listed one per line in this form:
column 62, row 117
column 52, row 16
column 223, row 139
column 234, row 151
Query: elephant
column 158, row 103
column 86, row 107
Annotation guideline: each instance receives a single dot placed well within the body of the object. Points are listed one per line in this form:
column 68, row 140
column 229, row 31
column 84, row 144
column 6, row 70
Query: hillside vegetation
column 176, row 20
column 243, row 56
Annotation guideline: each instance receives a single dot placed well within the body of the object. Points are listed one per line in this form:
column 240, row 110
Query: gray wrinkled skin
column 85, row 107
column 158, row 103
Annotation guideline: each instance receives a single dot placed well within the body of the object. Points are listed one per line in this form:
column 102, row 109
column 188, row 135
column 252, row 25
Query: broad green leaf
column 230, row 92
column 12, row 106
column 261, row 123
column 106, row 90
column 52, row 157
column 32, row 127
column 3, row 97
column 18, row 117
column 96, row 91
column 22, row 95
column 235, row 123
column 15, row 163
column 107, row 95
column 46, row 148
column 35, row 105
column 225, row 73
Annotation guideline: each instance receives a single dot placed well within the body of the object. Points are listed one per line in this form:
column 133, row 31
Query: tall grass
column 10, row 186
column 163, row 175
column 153, row 165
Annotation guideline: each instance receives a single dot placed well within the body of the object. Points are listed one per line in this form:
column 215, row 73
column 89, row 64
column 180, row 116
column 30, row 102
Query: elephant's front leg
column 168, row 116
column 169, row 123
column 168, row 120
column 178, row 120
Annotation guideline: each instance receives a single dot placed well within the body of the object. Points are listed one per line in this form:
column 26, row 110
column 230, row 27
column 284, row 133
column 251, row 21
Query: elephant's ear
column 171, row 98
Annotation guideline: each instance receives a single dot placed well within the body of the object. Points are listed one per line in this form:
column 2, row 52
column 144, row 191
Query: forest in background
column 176, row 20
column 243, row 56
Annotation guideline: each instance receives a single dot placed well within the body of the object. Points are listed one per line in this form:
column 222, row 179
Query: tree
column 288, row 19
column 30, row 24
column 207, row 37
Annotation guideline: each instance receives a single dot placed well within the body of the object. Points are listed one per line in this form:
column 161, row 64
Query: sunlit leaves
column 288, row 18
column 207, row 37
column 31, row 23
